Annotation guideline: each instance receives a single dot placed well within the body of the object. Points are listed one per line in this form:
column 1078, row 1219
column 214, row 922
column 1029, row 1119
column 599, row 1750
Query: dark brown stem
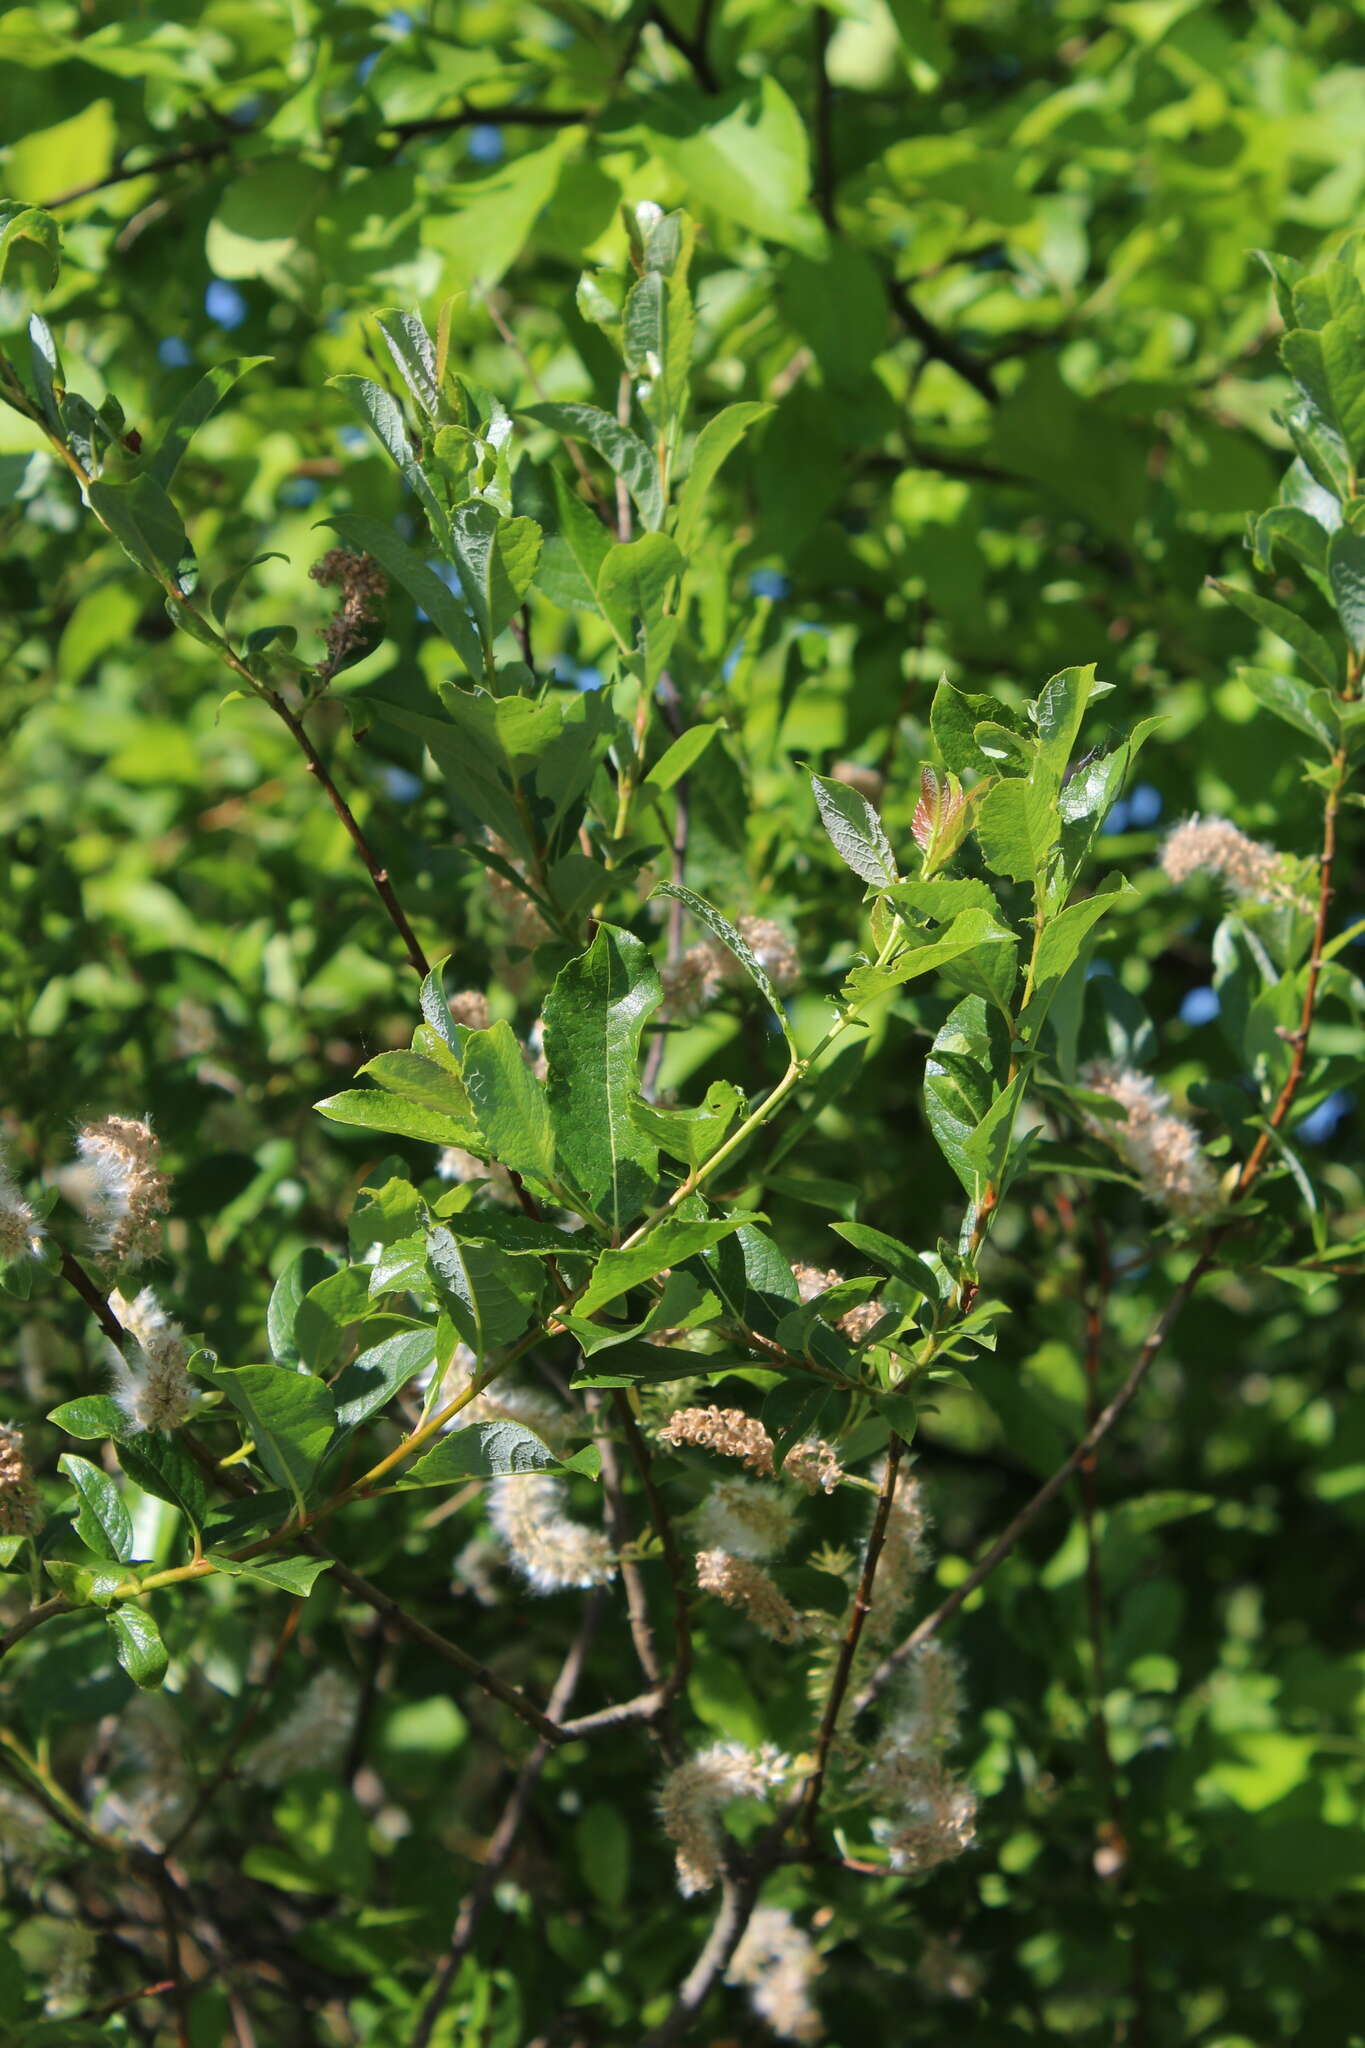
column 75, row 1275
column 692, row 47
column 1047, row 1492
column 823, row 188
column 848, row 1649
column 622, row 1536
column 378, row 875
column 1284, row 1101
column 739, row 1896
column 941, row 346
column 503, row 1838
column 663, row 1529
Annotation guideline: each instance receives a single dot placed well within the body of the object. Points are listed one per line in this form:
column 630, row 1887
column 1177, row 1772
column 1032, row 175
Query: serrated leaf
column 680, row 756
column 734, row 942
column 692, row 1135
column 594, row 1015
column 1060, row 946
column 1296, row 702
column 414, row 353
column 138, row 1646
column 856, row 832
column 103, row 1522
column 958, row 1086
column 969, row 932
column 1017, row 826
column 286, row 1298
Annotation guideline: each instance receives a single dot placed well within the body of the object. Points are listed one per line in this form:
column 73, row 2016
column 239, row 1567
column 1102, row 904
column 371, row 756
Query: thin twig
column 503, row 1838
column 622, row 1537
column 848, row 1649
column 692, row 47
column 663, row 1529
column 823, row 184
column 941, row 346
column 739, row 1896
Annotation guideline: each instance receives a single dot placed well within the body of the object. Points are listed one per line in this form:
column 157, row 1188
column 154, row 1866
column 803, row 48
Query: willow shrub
column 648, row 1702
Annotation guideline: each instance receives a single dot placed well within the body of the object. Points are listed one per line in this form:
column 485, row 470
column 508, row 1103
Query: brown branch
column 75, row 1275
column 739, row 1896
column 848, row 1649
column 692, row 47
column 941, row 346
column 663, row 1529
column 503, row 1838
column 1284, row 1101
column 1047, row 1492
column 823, row 183
column 378, row 875
column 622, row 1536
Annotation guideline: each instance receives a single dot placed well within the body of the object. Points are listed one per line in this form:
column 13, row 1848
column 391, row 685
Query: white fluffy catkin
column 549, row 1549
column 696, row 1793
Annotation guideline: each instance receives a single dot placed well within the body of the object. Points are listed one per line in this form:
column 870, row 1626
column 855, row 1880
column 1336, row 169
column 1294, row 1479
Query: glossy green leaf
column 508, row 1102
column 290, row 1415
column 670, row 1242
column 717, row 440
column 856, row 831
column 634, row 588
column 102, row 1522
column 594, row 1016
column 138, row 1646
column 734, row 942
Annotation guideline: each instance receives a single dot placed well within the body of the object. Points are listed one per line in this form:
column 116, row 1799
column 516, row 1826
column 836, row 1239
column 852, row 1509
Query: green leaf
column 1018, row 825
column 296, row 1575
column 670, row 1242
column 1342, row 344
column 1059, row 713
column 954, row 716
column 138, row 1646
column 594, row 1015
column 508, row 1102
column 485, row 1450
column 1303, row 638
column 31, row 240
column 1346, row 573
column 290, row 1415
column 625, row 454
column 968, row 932
column 103, row 1522
column 496, row 559
column 384, row 415
column 148, row 528
column 286, row 1298
column 447, row 613
column 958, row 1085
column 681, row 756
column 633, row 586
column 1296, row 702
column 1059, row 947
column 741, row 154
column 490, row 1295
column 692, row 1135
column 718, row 439
column 571, row 558
column 414, row 353
column 152, row 1461
column 856, row 831
column 734, row 942
column 425, row 1082
column 372, row 1109
column 903, row 1264
column 198, row 404
column 371, row 1380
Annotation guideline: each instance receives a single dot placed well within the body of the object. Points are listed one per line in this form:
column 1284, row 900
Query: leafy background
column 992, row 265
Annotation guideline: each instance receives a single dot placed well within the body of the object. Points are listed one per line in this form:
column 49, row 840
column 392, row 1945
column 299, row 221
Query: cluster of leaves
column 993, row 402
